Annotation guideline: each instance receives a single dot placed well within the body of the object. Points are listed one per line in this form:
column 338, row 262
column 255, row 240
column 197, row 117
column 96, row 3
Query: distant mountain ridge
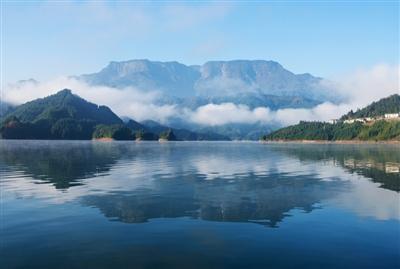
column 253, row 83
column 212, row 79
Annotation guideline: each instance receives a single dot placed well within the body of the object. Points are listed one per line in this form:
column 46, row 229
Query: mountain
column 59, row 116
column 172, row 78
column 227, row 78
column 370, row 125
column 182, row 134
column 212, row 79
column 252, row 100
column 5, row 108
column 238, row 131
column 389, row 104
column 254, row 83
column 64, row 104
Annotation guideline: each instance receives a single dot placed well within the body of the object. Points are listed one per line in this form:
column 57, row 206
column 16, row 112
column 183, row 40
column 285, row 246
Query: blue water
column 198, row 205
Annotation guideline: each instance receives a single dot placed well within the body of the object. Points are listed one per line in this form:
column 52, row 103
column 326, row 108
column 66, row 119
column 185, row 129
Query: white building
column 392, row 116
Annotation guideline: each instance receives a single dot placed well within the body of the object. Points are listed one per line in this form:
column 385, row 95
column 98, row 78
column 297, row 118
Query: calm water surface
column 198, row 205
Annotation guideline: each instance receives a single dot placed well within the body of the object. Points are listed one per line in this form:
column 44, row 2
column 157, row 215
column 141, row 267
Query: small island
column 378, row 122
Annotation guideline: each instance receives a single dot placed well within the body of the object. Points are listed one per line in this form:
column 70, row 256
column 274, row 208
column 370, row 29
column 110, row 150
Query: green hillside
column 389, row 104
column 115, row 131
column 59, row 116
column 378, row 130
column 64, row 104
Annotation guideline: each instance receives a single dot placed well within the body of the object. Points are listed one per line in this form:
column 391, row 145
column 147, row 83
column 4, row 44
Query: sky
column 46, row 39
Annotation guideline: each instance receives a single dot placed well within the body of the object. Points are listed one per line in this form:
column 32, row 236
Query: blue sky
column 45, row 39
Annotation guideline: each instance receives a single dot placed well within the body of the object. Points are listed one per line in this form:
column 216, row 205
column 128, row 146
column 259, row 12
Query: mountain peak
column 64, row 104
column 64, row 92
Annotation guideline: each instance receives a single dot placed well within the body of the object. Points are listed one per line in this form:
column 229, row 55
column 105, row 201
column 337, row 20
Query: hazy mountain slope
column 239, row 131
column 252, row 100
column 183, row 134
column 5, row 108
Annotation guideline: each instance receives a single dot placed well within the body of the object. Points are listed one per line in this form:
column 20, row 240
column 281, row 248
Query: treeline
column 379, row 130
column 389, row 104
column 71, row 129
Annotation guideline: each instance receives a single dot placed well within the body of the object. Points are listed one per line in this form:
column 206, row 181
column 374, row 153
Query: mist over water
column 186, row 204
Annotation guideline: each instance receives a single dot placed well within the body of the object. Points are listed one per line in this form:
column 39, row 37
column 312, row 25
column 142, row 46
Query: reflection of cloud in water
column 134, row 182
column 247, row 199
column 365, row 199
column 218, row 166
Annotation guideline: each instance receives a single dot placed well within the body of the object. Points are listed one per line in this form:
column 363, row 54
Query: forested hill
column 378, row 131
column 64, row 104
column 372, row 129
column 59, row 116
column 389, row 104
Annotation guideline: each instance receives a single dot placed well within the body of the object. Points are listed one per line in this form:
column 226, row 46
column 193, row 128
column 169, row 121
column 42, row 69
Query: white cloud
column 360, row 88
column 367, row 85
column 213, row 114
column 131, row 102
column 219, row 114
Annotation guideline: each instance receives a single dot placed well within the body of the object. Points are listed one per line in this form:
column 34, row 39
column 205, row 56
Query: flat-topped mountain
column 214, row 78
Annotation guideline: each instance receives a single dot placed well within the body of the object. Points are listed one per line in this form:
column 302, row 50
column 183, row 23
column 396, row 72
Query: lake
column 67, row 204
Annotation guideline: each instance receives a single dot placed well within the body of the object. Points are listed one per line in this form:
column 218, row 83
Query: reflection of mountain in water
column 380, row 163
column 232, row 182
column 265, row 200
column 63, row 164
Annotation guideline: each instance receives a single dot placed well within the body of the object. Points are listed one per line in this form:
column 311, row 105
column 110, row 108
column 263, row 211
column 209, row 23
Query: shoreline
column 343, row 142
column 104, row 139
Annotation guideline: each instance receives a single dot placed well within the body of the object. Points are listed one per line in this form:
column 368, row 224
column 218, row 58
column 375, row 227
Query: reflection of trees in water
column 60, row 164
column 380, row 163
column 266, row 200
column 179, row 187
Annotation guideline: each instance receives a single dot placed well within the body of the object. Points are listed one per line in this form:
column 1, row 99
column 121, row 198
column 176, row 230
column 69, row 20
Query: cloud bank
column 359, row 89
column 132, row 102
